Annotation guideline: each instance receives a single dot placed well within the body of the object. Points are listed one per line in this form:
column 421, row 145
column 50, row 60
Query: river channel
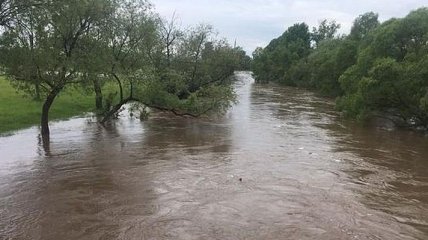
column 281, row 164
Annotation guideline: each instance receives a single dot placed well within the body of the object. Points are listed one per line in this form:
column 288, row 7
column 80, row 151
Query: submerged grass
column 18, row 111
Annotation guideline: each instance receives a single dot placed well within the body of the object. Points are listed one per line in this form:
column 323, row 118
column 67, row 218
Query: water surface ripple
column 305, row 173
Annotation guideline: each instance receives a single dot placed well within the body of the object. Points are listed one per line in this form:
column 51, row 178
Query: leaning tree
column 162, row 67
column 64, row 42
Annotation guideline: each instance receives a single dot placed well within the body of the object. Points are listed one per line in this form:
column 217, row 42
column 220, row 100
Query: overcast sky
column 254, row 23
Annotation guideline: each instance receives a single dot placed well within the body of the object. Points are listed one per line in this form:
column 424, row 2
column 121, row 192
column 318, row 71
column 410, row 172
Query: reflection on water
column 305, row 175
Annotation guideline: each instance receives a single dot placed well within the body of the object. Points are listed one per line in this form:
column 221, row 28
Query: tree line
column 47, row 46
column 377, row 70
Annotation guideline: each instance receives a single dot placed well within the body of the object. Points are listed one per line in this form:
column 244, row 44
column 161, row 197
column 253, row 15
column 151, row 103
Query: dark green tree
column 274, row 62
column 326, row 30
column 363, row 25
column 376, row 70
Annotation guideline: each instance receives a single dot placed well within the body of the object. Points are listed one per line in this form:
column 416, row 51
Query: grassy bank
column 18, row 112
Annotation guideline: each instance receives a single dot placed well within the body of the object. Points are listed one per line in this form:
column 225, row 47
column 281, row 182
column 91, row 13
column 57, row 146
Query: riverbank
column 19, row 111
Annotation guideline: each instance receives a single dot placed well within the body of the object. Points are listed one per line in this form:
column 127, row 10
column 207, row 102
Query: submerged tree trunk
column 176, row 112
column 45, row 113
column 116, row 108
column 98, row 94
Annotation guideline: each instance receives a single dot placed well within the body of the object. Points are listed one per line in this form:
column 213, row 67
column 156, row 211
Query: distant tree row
column 376, row 70
column 49, row 45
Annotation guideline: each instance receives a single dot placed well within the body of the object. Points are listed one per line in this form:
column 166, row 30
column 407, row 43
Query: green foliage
column 9, row 9
column 47, row 46
column 378, row 69
column 274, row 62
column 291, row 60
column 324, row 69
column 326, row 30
column 390, row 74
column 363, row 25
column 195, row 88
column 352, row 106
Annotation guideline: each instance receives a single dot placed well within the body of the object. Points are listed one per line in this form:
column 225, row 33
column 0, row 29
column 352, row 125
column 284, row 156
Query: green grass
column 18, row 112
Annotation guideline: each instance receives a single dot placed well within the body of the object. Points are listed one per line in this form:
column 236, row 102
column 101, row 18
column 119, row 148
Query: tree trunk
column 98, row 94
column 119, row 83
column 116, row 108
column 38, row 95
column 45, row 113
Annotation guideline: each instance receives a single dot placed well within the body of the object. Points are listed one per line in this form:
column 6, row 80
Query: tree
column 129, row 38
column 274, row 62
column 62, row 43
column 389, row 77
column 325, row 70
column 11, row 9
column 259, row 65
column 363, row 25
column 326, row 30
column 26, row 34
column 49, row 46
column 376, row 70
column 182, row 72
column 170, row 34
column 197, row 81
column 243, row 59
column 7, row 11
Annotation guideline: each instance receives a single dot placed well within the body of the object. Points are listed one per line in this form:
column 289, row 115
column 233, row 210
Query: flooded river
column 306, row 174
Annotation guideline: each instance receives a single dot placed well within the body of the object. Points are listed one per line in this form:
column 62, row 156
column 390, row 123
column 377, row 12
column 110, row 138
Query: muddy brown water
column 305, row 174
